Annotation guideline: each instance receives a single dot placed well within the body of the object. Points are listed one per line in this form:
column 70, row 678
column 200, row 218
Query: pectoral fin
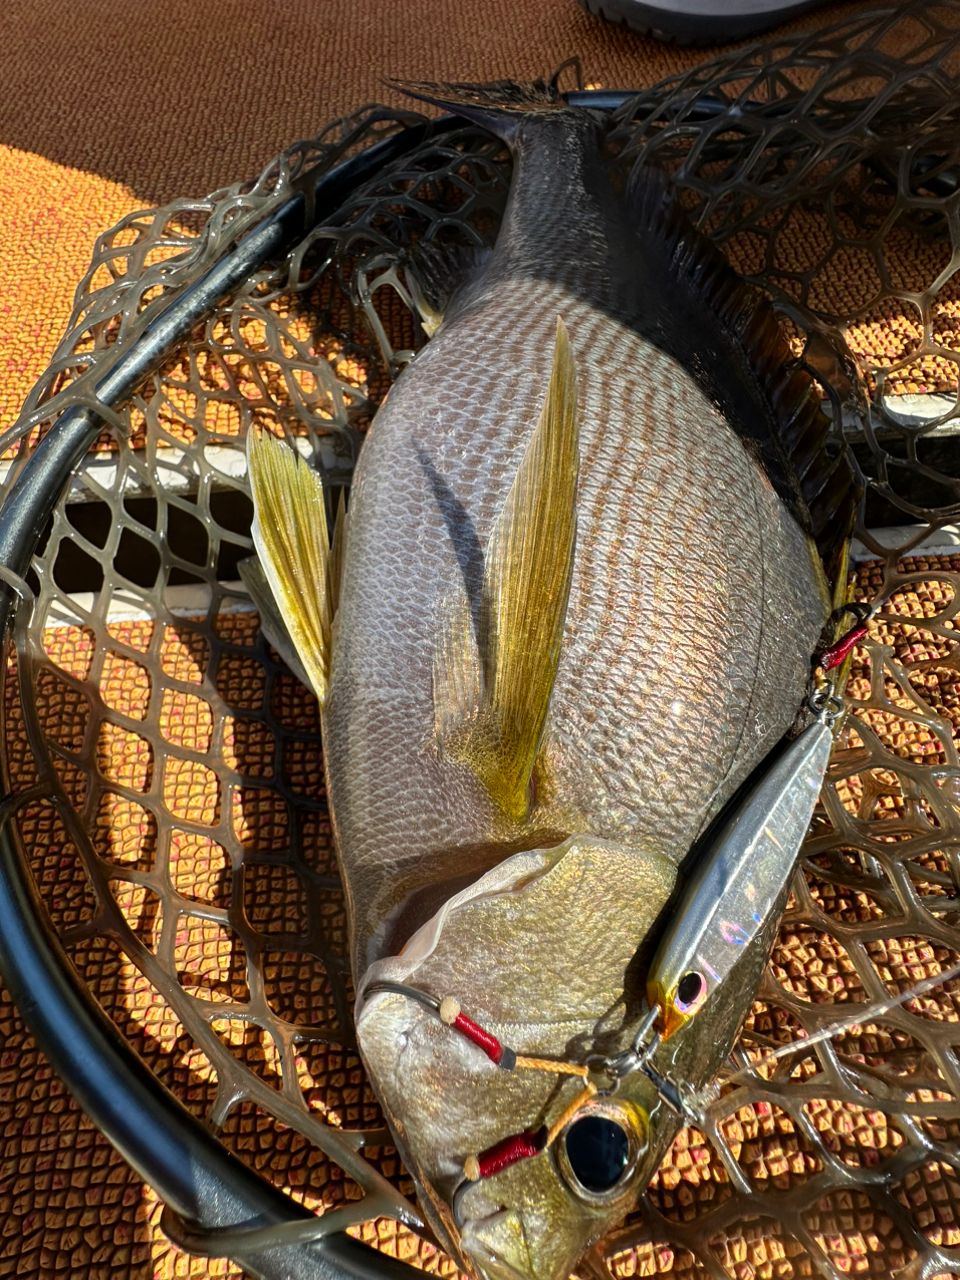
column 492, row 692
column 291, row 536
column 271, row 620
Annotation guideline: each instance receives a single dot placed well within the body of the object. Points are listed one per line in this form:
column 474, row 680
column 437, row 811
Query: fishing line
column 770, row 1056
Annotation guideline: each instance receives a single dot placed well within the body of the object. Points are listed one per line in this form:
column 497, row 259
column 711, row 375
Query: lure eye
column 690, row 989
column 600, row 1148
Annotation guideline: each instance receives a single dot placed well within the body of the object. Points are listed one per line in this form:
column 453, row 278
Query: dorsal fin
column 491, row 692
column 495, row 106
column 292, row 539
column 818, row 485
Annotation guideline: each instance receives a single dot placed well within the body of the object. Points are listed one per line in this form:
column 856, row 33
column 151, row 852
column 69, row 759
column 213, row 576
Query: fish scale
column 637, row 526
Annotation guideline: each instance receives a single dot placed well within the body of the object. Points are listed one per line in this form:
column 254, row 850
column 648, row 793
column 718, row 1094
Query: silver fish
column 588, row 559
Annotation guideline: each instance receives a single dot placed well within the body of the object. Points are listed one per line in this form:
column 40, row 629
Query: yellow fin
column 492, row 699
column 843, row 591
column 335, row 572
column 292, row 540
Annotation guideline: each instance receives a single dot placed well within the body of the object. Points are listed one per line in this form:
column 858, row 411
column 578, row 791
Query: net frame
column 329, row 412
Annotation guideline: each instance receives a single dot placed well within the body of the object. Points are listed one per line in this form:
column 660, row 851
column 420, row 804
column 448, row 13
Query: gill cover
column 542, row 952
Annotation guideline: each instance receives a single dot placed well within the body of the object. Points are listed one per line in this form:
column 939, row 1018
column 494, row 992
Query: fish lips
column 483, row 1239
column 495, row 1241
column 527, row 1224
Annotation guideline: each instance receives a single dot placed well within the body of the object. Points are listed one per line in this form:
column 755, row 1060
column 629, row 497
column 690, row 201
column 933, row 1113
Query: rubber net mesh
column 179, row 836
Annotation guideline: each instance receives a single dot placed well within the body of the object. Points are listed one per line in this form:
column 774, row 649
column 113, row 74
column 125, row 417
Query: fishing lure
column 737, row 889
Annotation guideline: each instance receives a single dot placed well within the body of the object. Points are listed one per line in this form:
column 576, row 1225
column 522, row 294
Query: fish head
column 534, row 1220
column 546, row 953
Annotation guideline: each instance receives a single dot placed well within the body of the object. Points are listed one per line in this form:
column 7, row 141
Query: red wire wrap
column 490, row 1045
column 833, row 656
column 521, row 1146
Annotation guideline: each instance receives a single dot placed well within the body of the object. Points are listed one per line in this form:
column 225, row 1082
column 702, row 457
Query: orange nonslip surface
column 111, row 106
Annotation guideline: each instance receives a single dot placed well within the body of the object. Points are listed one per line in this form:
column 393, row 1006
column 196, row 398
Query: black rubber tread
column 693, row 29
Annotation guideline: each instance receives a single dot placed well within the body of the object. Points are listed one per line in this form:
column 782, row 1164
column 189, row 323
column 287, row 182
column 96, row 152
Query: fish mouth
column 476, row 1244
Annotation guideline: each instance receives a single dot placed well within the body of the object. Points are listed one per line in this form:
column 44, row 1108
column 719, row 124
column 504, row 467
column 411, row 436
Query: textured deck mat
column 70, row 1206
column 864, row 243
column 74, row 160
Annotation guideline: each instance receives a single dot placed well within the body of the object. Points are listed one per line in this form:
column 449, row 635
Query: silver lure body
column 742, row 880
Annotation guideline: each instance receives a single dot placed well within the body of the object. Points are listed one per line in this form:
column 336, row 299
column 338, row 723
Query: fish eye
column 599, row 1150
column 689, row 990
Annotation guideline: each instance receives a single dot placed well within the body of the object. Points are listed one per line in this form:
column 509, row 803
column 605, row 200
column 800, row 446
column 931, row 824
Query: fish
column 565, row 628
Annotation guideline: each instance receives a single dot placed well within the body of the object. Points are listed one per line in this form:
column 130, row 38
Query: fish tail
column 499, row 106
